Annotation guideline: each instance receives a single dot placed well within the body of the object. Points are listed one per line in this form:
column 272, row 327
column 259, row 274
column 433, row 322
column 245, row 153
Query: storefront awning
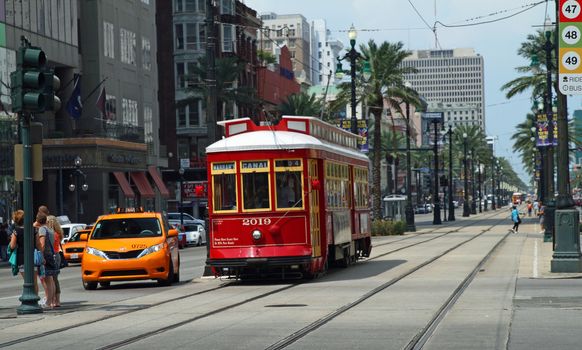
column 143, row 185
column 158, row 180
column 125, row 186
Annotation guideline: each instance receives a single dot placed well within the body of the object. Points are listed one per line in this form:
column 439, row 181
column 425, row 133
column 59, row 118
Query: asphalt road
column 73, row 295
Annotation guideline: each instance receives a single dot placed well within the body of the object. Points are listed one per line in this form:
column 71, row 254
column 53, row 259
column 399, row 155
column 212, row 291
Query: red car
column 182, row 242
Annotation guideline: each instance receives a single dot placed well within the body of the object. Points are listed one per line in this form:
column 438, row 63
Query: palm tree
column 386, row 83
column 301, row 104
column 533, row 77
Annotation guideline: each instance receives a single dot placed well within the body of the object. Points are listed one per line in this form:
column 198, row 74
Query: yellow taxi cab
column 130, row 245
column 74, row 247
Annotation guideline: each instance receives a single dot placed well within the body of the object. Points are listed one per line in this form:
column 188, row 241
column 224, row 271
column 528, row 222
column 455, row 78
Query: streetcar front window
column 224, row 192
column 289, row 189
column 256, row 191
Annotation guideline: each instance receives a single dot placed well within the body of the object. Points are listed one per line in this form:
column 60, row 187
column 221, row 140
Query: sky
column 397, row 20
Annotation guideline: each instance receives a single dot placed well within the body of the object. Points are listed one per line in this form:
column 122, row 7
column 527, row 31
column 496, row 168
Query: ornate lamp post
column 352, row 56
column 493, row 164
column 181, row 172
column 451, row 182
column 78, row 174
column 466, row 209
column 409, row 212
column 480, row 188
column 473, row 184
column 437, row 203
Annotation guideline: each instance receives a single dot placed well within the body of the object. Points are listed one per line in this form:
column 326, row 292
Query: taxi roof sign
column 129, row 210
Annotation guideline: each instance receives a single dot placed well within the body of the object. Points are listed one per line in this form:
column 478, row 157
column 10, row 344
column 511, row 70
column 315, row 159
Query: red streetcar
column 286, row 199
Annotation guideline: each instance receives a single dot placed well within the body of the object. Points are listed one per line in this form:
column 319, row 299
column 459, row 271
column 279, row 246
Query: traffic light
column 52, row 84
column 28, row 81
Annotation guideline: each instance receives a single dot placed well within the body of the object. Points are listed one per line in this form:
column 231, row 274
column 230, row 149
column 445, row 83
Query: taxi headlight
column 97, row 252
column 152, row 249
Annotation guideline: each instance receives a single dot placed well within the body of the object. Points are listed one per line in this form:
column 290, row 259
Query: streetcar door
column 314, row 217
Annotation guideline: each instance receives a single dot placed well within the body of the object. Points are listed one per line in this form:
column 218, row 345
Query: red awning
column 125, row 186
column 143, row 185
column 158, row 180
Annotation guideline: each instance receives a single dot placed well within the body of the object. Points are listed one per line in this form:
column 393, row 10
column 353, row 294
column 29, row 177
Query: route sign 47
column 570, row 47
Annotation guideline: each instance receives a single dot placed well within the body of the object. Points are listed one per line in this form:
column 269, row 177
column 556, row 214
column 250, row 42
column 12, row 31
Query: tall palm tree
column 301, row 104
column 533, row 77
column 386, row 83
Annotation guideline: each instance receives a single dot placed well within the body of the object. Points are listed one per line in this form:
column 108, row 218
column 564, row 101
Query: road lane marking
column 12, row 297
column 535, row 260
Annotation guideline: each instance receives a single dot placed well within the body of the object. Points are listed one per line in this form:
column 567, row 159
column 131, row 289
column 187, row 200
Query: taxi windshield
column 127, row 228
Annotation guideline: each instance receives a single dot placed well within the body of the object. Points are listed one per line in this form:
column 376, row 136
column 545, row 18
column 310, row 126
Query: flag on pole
column 101, row 103
column 75, row 105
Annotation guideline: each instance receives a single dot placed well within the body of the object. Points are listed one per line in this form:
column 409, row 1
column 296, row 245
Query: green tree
column 301, row 104
column 386, row 83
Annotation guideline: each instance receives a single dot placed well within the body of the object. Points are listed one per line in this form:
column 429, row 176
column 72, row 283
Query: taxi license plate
column 75, row 256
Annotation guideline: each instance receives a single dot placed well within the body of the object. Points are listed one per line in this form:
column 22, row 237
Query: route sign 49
column 570, row 47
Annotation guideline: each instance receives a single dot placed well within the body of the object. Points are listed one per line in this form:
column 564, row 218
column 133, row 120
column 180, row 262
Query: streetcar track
column 107, row 317
column 424, row 335
column 292, row 338
column 172, row 326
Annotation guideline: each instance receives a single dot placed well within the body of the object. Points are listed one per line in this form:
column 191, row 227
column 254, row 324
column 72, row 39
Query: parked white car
column 195, row 234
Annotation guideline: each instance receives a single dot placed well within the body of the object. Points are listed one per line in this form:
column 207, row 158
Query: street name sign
column 570, row 47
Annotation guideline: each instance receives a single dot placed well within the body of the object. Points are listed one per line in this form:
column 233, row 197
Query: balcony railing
column 121, row 132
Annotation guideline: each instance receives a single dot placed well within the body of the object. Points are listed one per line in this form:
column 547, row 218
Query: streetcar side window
column 224, row 190
column 289, row 183
column 255, row 185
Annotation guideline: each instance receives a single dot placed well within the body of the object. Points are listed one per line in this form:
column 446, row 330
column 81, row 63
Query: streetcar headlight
column 257, row 235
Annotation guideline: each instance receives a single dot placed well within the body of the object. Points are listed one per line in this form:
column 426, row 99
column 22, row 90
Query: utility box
column 36, row 164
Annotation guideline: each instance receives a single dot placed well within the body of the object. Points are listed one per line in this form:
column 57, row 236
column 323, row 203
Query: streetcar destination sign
column 570, row 47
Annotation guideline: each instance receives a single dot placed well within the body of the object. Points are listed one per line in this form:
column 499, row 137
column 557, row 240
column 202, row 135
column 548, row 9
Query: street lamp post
column 75, row 185
column 437, row 203
column 473, row 187
column 493, row 204
column 181, row 172
column 480, row 188
column 466, row 209
column 409, row 212
column 499, row 180
column 352, row 56
column 451, row 182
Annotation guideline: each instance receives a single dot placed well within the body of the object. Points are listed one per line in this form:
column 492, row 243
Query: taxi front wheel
column 89, row 285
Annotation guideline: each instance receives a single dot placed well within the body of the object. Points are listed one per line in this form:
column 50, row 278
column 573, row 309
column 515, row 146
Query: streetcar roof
column 278, row 140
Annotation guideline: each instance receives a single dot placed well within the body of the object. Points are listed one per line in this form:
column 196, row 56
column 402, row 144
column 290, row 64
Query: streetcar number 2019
column 256, row 221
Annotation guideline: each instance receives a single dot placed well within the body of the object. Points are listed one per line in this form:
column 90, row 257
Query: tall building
column 452, row 82
column 111, row 45
column 184, row 120
column 326, row 53
column 294, row 32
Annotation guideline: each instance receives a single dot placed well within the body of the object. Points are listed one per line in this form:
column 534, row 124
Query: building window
column 146, row 58
column 194, row 113
column 148, row 124
column 178, row 6
column 179, row 35
column 191, row 5
column 108, row 40
column 180, row 75
column 128, row 44
column 129, row 111
column 227, row 7
column 181, row 116
column 228, row 38
column 191, row 36
column 110, row 107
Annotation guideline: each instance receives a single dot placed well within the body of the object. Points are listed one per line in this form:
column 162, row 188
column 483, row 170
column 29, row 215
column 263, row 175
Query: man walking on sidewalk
column 516, row 219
